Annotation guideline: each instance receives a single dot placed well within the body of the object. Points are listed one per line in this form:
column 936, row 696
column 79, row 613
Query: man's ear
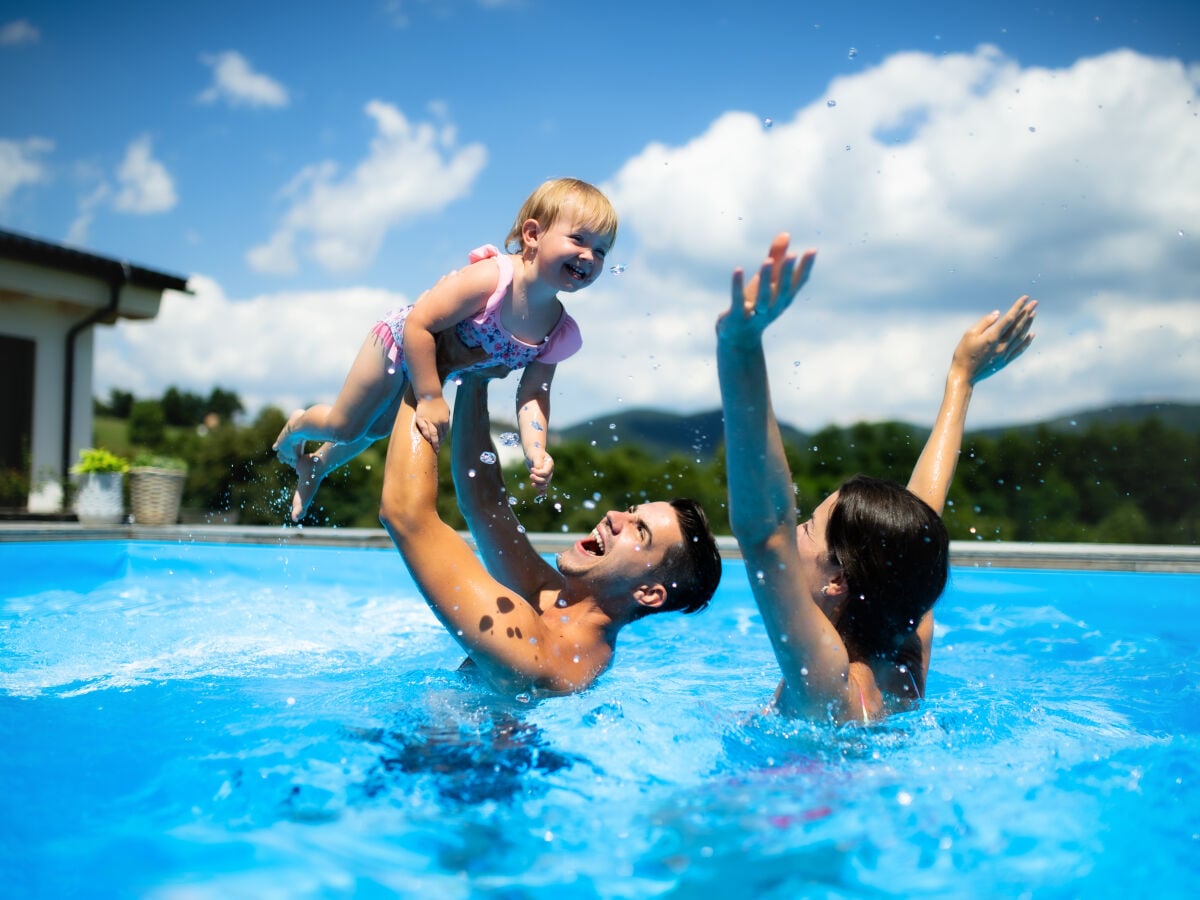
column 651, row 596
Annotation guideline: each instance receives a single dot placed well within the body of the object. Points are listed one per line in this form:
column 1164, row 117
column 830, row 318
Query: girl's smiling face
column 570, row 253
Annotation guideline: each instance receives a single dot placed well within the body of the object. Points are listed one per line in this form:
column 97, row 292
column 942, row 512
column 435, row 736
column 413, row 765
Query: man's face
column 625, row 546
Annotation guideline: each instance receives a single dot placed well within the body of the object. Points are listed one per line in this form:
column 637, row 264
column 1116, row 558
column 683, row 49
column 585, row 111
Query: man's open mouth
column 593, row 543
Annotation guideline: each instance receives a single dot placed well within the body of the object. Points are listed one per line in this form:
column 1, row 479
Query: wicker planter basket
column 154, row 495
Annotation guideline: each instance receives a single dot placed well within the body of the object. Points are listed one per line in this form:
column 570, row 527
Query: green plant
column 146, row 460
column 96, row 460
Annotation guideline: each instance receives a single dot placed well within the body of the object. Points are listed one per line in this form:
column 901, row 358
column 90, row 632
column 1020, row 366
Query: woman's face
column 818, row 571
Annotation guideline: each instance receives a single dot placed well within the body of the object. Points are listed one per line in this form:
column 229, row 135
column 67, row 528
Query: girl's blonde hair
column 545, row 205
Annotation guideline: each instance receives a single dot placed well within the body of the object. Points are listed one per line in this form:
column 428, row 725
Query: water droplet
column 768, row 122
column 509, row 439
column 470, row 473
column 512, row 501
column 536, row 426
column 522, row 697
column 618, row 269
column 589, row 504
column 1032, row 129
column 853, row 52
column 391, row 370
column 1181, row 234
column 831, row 103
column 540, row 498
column 487, row 457
column 847, row 147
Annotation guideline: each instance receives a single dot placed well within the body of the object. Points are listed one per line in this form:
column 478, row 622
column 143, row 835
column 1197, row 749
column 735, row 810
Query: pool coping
column 1000, row 554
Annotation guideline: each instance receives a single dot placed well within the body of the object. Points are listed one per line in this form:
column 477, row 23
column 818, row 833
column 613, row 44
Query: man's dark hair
column 692, row 569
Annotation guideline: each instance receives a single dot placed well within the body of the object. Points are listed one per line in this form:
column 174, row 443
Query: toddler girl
column 505, row 303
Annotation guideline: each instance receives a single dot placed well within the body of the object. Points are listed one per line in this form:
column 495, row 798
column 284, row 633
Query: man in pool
column 527, row 625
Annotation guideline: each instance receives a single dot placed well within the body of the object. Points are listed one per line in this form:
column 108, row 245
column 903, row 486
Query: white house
column 51, row 299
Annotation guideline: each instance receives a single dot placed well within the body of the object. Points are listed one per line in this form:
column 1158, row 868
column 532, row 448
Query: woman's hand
column 994, row 341
column 768, row 294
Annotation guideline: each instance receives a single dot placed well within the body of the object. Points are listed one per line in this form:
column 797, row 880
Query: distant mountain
column 1182, row 416
column 662, row 433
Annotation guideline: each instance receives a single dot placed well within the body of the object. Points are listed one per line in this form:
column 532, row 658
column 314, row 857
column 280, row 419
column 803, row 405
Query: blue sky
column 310, row 164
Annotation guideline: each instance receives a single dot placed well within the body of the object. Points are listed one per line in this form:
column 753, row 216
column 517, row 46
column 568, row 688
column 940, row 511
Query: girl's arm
column 762, row 506
column 454, row 298
column 533, row 421
column 987, row 347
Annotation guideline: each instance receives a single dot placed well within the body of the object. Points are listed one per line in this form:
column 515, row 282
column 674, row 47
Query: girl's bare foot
column 311, row 469
column 287, row 446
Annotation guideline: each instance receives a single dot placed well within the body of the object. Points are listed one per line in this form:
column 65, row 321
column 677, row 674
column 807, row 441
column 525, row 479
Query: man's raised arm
column 495, row 625
column 502, row 543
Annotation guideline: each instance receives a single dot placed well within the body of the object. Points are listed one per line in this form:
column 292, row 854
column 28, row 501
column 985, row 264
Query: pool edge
column 1001, row 554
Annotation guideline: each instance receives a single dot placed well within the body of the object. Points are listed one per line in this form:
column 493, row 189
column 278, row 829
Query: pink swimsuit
column 485, row 330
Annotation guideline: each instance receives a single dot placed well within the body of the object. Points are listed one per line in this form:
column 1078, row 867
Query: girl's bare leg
column 314, row 467
column 368, row 389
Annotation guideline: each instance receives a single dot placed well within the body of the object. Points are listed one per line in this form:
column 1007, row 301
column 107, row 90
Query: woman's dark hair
column 894, row 554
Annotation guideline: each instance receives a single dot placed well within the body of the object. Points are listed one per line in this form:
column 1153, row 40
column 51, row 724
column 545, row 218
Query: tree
column 147, row 424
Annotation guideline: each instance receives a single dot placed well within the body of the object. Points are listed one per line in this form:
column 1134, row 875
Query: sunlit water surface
column 214, row 721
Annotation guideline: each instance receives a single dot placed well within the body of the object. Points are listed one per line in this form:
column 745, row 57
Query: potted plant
column 99, row 495
column 156, row 488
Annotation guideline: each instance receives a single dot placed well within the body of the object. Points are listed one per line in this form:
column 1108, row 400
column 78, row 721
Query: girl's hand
column 769, row 293
column 540, row 471
column 994, row 341
column 433, row 420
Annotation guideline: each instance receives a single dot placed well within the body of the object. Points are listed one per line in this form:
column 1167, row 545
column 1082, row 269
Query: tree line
column 1104, row 482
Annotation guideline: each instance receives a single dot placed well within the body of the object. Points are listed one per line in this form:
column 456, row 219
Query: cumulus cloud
column 20, row 165
column 411, row 169
column 17, row 32
column 237, row 84
column 267, row 349
column 144, row 184
column 969, row 180
column 935, row 188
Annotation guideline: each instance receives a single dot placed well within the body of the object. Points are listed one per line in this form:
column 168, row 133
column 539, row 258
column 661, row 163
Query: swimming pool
column 208, row 720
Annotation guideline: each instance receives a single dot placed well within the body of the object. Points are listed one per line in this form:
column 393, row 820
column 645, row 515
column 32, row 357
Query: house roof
column 23, row 248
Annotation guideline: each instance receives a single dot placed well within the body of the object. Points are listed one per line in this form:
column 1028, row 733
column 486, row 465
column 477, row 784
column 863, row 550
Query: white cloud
column 145, row 185
column 946, row 206
column 17, row 32
column 20, row 165
column 88, row 203
column 266, row 348
column 968, row 180
column 410, row 170
column 236, row 83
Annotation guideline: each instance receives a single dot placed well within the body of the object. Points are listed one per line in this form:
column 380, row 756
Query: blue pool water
column 215, row 721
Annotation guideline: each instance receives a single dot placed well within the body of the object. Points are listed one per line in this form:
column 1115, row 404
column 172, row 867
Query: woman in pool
column 847, row 597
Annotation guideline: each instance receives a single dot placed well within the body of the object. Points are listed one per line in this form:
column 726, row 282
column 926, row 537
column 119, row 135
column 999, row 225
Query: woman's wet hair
column 546, row 203
column 894, row 553
column 691, row 570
